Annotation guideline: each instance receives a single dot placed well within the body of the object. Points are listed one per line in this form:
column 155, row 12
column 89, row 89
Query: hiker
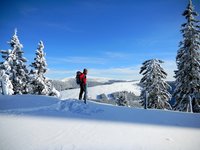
column 83, row 85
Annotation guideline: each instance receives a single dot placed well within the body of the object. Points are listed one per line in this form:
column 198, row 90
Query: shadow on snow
column 43, row 106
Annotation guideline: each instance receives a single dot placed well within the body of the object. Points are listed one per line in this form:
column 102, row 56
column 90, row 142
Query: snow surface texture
column 39, row 123
column 93, row 92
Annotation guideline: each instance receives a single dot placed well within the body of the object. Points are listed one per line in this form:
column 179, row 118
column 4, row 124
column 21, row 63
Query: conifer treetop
column 41, row 44
column 189, row 12
column 15, row 40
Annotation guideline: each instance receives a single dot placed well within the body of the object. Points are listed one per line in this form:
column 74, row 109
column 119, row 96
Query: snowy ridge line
column 68, row 105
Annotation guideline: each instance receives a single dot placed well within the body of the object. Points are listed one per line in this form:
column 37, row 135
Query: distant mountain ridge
column 70, row 83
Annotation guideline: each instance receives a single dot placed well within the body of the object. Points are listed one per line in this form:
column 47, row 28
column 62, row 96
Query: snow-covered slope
column 40, row 123
column 93, row 92
column 70, row 83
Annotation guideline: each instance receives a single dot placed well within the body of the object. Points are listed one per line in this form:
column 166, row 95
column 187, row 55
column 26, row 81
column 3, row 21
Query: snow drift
column 41, row 122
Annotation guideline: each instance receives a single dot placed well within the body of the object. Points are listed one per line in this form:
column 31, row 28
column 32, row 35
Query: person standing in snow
column 83, row 85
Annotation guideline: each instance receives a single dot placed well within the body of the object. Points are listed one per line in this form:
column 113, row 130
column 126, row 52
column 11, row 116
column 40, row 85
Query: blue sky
column 109, row 37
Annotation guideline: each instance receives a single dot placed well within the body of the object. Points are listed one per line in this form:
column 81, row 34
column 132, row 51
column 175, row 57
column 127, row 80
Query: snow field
column 30, row 133
column 93, row 92
column 30, row 122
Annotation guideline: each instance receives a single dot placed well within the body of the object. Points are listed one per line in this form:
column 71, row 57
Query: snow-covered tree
column 51, row 89
column 18, row 72
column 40, row 85
column 38, row 80
column 122, row 99
column 6, row 65
column 188, row 63
column 5, row 83
column 153, row 84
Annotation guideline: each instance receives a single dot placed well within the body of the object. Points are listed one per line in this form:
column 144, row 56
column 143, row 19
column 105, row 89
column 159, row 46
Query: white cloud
column 77, row 60
column 59, row 74
column 129, row 73
column 52, row 72
column 125, row 73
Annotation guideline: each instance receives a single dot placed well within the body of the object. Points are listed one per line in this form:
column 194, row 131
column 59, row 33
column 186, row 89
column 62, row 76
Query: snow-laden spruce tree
column 8, row 59
column 5, row 83
column 6, row 86
column 122, row 99
column 38, row 80
column 154, row 86
column 39, row 84
column 188, row 63
column 18, row 73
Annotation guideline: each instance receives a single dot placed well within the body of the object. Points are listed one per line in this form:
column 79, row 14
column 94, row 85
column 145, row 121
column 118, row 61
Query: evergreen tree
column 122, row 99
column 188, row 63
column 153, row 83
column 18, row 72
column 38, row 80
column 40, row 85
column 6, row 86
column 8, row 60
